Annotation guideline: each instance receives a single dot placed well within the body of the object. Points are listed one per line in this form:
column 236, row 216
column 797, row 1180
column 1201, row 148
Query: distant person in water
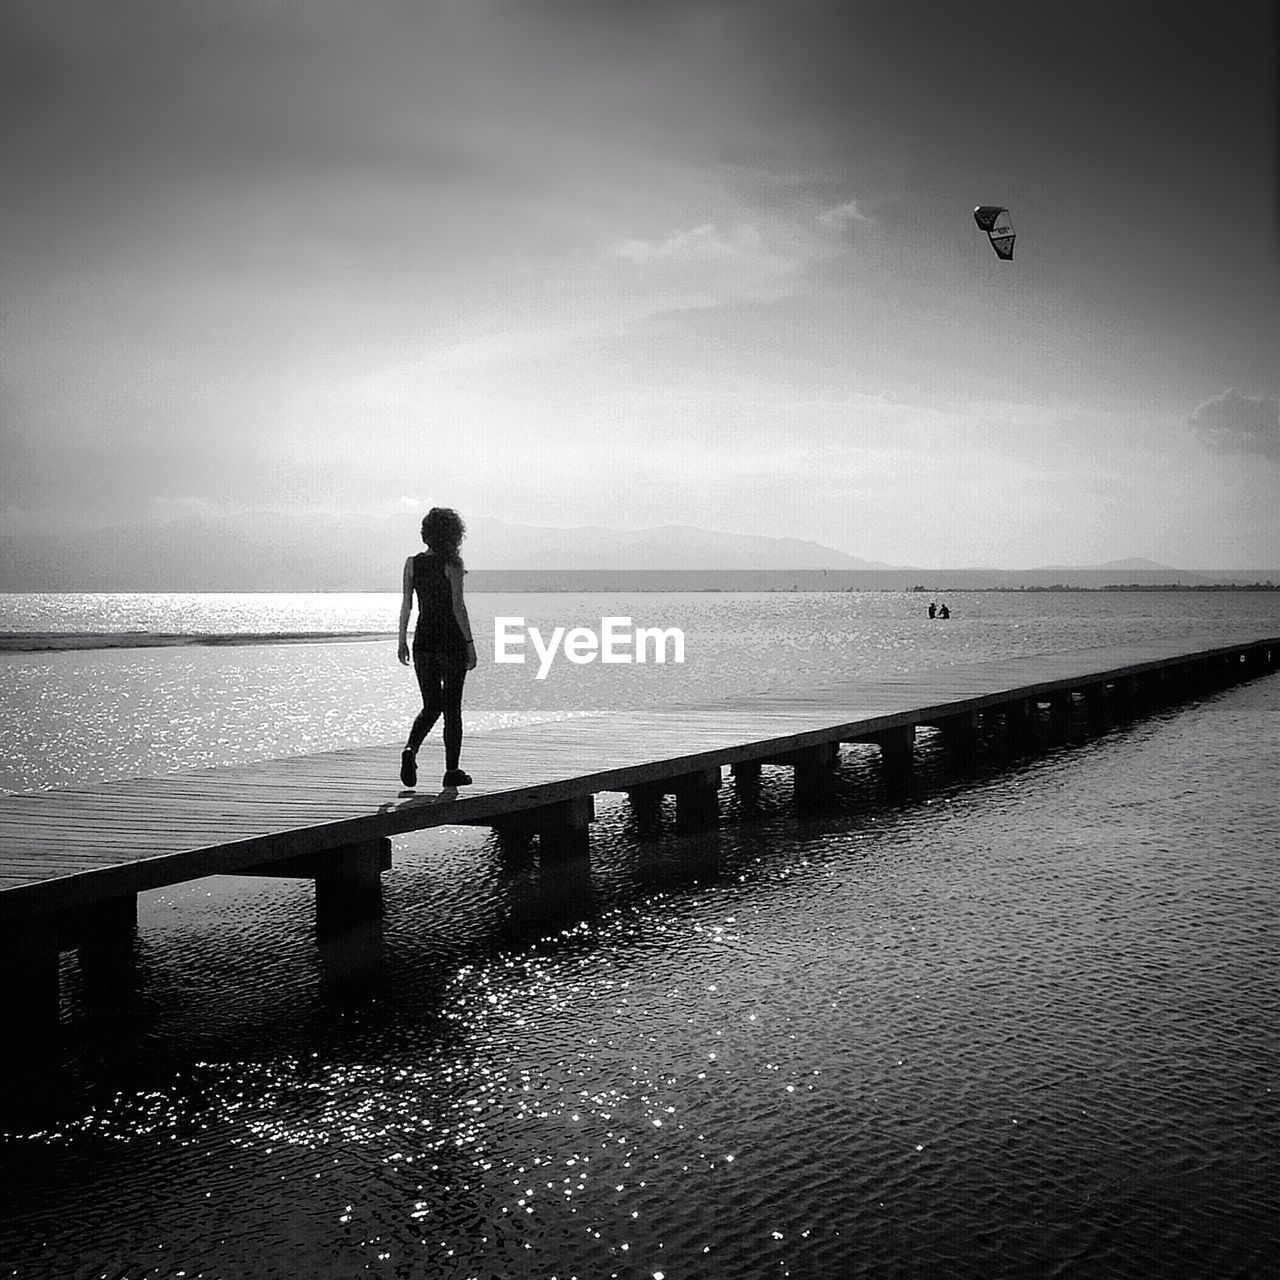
column 933, row 609
column 944, row 612
column 443, row 650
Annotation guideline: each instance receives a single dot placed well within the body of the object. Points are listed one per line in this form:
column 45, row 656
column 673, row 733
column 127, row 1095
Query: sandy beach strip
column 56, row 641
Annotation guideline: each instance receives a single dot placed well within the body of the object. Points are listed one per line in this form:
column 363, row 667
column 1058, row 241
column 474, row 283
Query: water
column 1024, row 1024
column 94, row 715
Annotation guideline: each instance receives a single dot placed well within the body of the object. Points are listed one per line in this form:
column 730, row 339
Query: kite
column 996, row 222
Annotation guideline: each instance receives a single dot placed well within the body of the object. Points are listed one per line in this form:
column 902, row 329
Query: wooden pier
column 72, row 860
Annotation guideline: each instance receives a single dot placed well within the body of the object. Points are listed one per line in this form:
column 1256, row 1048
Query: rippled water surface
column 1021, row 1024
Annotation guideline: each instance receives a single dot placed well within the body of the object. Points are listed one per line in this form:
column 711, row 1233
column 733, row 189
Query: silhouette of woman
column 443, row 650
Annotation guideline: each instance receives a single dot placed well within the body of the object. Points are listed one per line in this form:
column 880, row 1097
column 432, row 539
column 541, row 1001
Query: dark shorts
column 438, row 668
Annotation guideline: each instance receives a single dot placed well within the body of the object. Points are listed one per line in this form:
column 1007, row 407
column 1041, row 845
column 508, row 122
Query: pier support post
column 1130, row 696
column 1255, row 662
column 1153, row 688
column 1145, row 693
column 29, row 978
column 348, row 880
column 814, row 774
column 1180, row 682
column 1205, row 675
column 745, row 776
column 97, row 921
column 349, row 918
column 697, row 796
column 897, row 758
column 960, row 730
column 103, row 933
column 698, row 799
column 960, row 735
column 349, row 885
column 1095, row 703
column 646, row 809
column 563, row 828
column 1020, row 718
column 1163, row 686
column 1060, row 708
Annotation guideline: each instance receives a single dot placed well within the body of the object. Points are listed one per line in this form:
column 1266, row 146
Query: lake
column 1024, row 1023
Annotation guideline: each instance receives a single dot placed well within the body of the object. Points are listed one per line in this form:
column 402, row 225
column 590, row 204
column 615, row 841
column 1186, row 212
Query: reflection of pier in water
column 73, row 860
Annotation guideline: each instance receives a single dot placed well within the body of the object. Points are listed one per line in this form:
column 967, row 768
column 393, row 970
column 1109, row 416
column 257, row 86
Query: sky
column 567, row 263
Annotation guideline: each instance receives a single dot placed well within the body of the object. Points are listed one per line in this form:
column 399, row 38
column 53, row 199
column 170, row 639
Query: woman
column 443, row 651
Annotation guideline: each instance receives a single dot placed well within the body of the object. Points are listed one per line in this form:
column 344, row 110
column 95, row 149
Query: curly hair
column 443, row 531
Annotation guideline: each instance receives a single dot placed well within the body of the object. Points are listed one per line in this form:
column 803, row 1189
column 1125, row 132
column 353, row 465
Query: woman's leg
column 454, row 678
column 430, row 682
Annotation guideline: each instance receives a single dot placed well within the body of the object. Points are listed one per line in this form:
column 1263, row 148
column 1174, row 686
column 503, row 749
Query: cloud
column 700, row 244
column 843, row 216
column 706, row 266
column 501, row 346
column 165, row 509
column 1232, row 423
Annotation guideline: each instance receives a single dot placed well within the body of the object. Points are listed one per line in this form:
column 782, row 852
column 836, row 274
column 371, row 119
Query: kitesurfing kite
column 996, row 222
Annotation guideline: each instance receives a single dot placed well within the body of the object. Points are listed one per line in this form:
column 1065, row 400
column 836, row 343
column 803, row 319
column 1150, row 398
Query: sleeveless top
column 437, row 630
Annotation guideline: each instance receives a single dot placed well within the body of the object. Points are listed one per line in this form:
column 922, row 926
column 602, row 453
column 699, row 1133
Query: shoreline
column 77, row 641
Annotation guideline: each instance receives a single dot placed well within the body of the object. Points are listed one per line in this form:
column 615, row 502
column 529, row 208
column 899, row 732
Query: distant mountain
column 1134, row 562
column 263, row 552
column 493, row 544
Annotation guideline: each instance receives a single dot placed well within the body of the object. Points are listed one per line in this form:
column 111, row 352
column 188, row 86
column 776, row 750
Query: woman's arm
column 406, row 605
column 454, row 574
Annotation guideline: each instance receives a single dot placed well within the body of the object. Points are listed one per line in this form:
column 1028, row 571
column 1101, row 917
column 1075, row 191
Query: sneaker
column 456, row 778
column 409, row 767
